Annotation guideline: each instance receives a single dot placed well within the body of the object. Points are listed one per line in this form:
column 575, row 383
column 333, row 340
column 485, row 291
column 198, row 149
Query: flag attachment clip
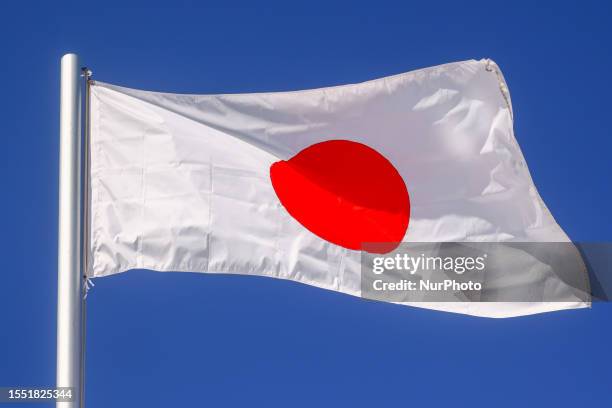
column 87, row 286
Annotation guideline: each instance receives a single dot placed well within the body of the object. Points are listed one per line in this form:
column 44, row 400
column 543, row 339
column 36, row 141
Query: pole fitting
column 86, row 73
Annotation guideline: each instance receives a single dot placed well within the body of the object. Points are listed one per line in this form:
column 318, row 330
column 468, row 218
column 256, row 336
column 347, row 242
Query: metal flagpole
column 69, row 294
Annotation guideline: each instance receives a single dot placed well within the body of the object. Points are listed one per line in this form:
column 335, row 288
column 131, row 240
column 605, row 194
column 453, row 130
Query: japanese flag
column 292, row 184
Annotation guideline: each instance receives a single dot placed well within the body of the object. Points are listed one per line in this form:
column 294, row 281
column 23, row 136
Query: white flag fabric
column 183, row 182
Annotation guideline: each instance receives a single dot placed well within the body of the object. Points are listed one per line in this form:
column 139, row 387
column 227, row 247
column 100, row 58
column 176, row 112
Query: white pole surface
column 69, row 295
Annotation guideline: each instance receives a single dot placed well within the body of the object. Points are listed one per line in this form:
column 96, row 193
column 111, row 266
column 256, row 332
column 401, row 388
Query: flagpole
column 69, row 295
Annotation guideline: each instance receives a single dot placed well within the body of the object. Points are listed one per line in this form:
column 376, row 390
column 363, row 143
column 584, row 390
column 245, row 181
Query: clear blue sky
column 180, row 339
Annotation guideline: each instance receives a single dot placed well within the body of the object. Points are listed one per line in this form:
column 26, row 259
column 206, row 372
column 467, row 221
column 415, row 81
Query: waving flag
column 293, row 185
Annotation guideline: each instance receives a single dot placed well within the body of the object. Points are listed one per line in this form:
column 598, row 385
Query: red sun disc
column 346, row 193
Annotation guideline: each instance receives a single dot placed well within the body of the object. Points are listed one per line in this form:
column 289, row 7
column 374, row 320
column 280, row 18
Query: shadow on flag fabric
column 292, row 185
